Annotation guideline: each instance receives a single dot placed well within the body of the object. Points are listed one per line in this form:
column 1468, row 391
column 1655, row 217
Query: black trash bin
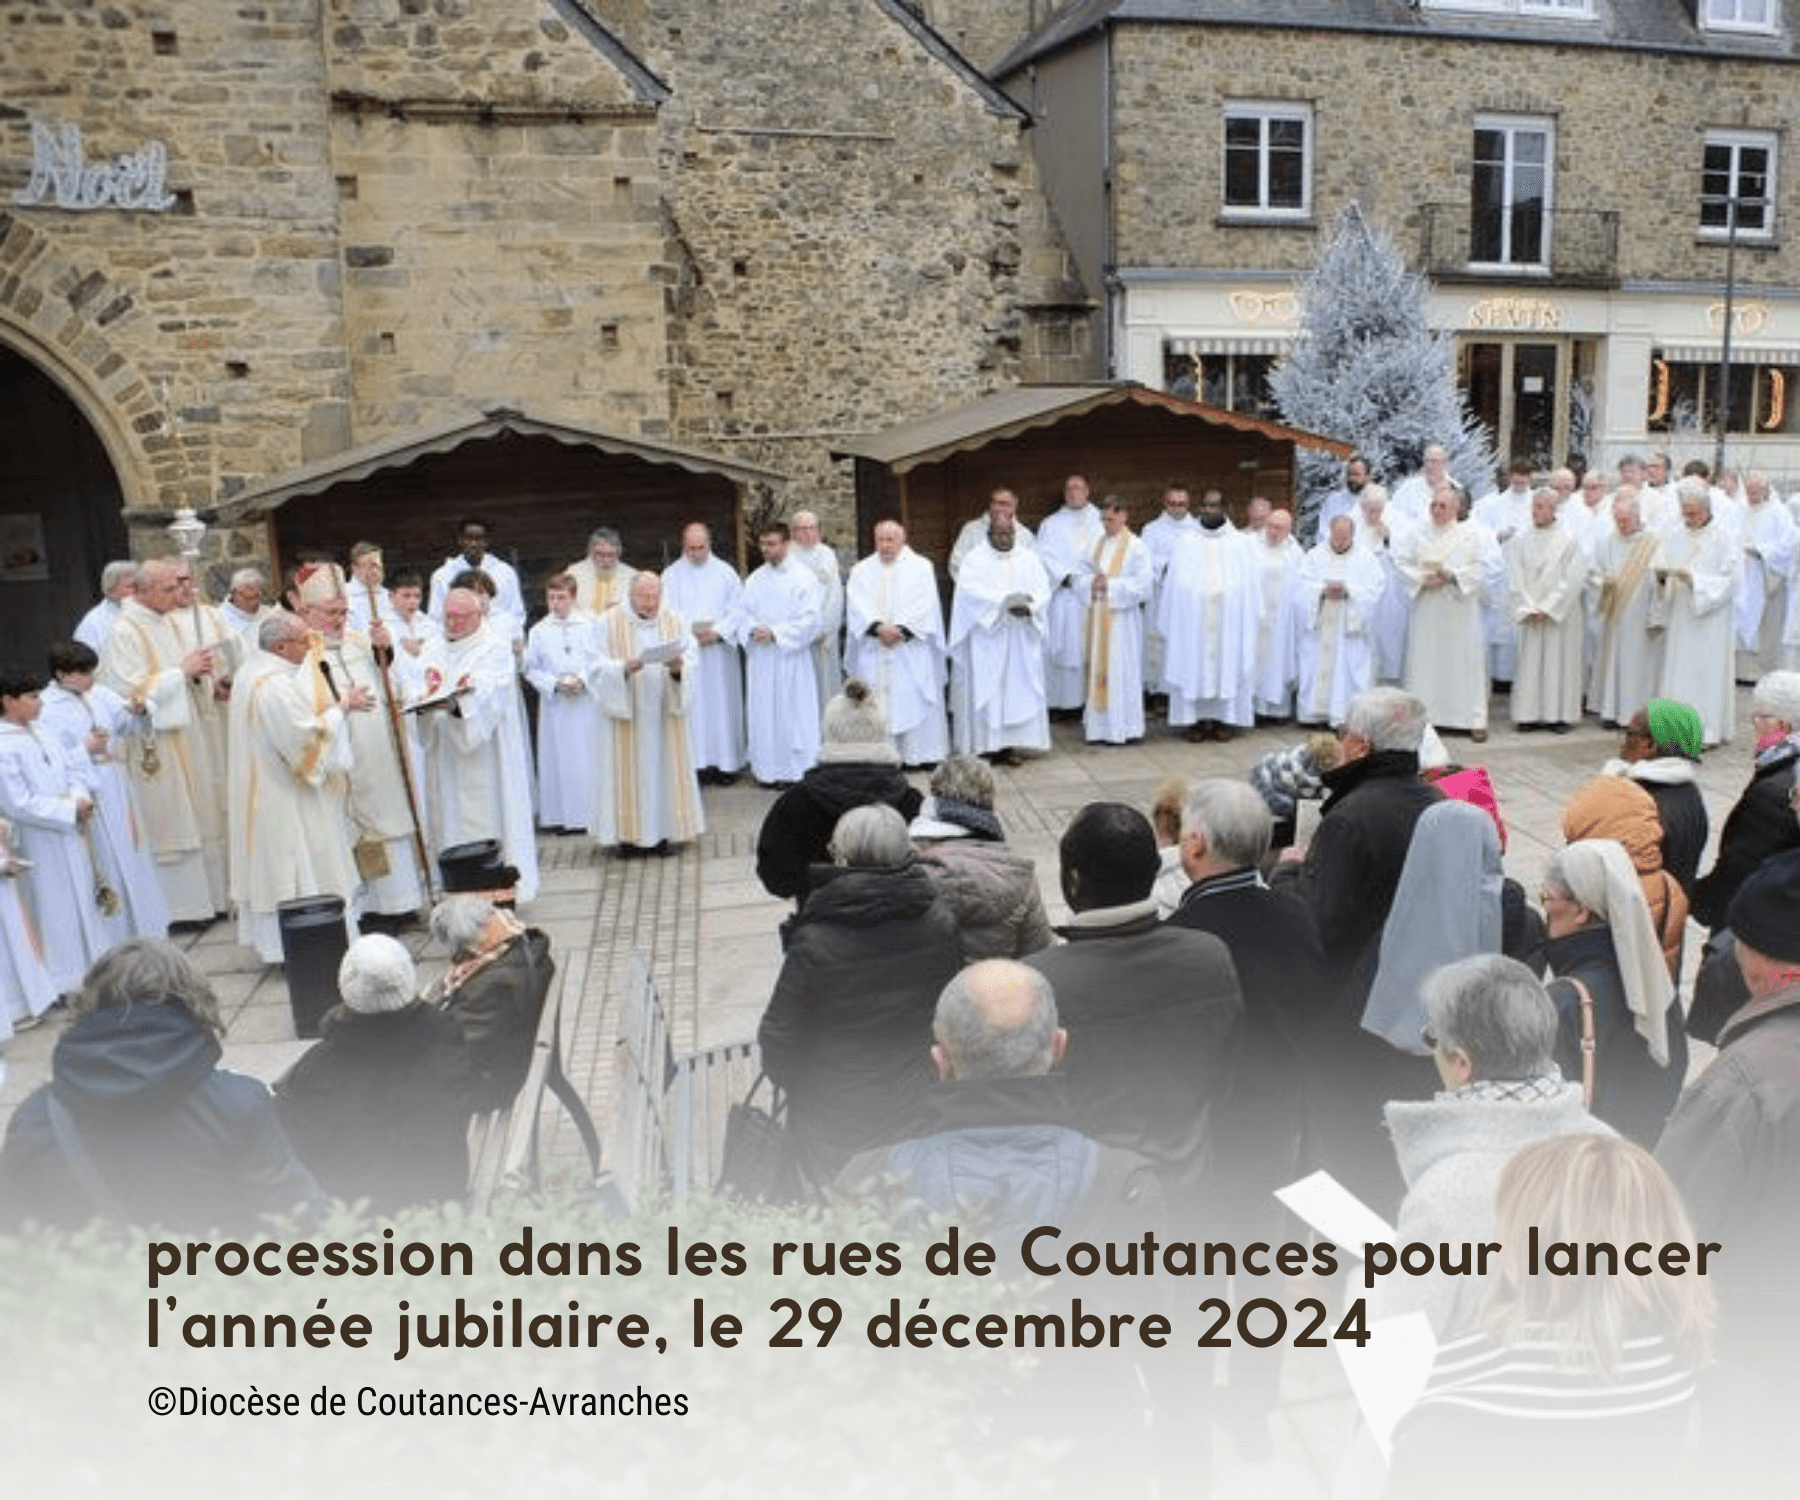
column 313, row 942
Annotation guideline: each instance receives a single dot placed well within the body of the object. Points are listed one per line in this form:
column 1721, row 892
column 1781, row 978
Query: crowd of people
column 1225, row 1009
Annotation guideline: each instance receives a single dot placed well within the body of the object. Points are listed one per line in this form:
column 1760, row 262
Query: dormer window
column 1737, row 15
column 1577, row 10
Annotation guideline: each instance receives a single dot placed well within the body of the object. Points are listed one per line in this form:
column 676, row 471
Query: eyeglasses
column 1429, row 1038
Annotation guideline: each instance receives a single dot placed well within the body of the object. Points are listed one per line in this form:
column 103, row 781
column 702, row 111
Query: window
column 1737, row 15
column 1509, row 204
column 1684, row 397
column 1738, row 167
column 1268, row 171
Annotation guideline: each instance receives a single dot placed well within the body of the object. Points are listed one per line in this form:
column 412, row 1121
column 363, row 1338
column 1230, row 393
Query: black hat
column 1765, row 913
column 477, row 869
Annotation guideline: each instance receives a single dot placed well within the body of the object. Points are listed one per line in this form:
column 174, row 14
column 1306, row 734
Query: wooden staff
column 397, row 735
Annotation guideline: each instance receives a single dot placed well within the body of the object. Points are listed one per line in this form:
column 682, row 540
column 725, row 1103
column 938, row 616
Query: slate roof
column 1629, row 25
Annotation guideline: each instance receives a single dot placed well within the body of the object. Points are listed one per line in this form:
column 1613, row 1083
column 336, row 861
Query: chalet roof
column 398, row 451
column 1626, row 25
column 1008, row 413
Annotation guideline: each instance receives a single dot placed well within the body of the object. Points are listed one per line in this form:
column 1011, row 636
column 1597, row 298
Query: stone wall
column 1628, row 138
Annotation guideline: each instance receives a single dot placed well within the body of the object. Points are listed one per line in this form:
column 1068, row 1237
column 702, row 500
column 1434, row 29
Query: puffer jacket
column 847, row 1031
column 174, row 1140
column 993, row 892
column 796, row 833
column 1759, row 826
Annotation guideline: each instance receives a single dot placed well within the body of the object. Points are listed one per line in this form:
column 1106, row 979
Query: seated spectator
column 1285, row 778
column 1610, row 807
column 1574, row 1385
column 1492, row 1034
column 1601, row 940
column 500, row 974
column 1661, row 753
column 990, row 888
column 1733, row 1141
column 1156, row 1007
column 1521, row 928
column 139, row 1124
column 379, row 1108
column 1165, row 818
column 848, row 1028
column 1761, row 824
column 858, row 765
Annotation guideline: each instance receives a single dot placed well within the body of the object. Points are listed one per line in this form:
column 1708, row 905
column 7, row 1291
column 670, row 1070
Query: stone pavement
column 710, row 931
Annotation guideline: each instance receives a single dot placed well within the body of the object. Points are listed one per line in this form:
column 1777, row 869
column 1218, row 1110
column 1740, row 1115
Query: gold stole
column 1099, row 631
column 622, row 642
column 602, row 598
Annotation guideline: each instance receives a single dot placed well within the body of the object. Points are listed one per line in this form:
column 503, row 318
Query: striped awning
column 1741, row 354
column 1200, row 348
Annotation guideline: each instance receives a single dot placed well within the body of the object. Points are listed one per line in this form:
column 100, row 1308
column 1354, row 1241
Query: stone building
column 239, row 243
column 1566, row 172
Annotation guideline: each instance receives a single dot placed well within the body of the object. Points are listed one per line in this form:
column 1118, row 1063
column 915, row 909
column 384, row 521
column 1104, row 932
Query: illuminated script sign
column 1514, row 313
column 61, row 175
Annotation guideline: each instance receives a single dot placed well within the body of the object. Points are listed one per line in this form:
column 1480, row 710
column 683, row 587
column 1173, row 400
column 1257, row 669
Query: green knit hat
column 1675, row 726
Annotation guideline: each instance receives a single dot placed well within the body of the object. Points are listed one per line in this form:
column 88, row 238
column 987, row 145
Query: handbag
column 1586, row 1000
column 757, row 1162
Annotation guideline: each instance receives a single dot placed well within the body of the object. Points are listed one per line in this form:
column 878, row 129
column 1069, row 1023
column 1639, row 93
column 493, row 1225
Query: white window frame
column 1515, row 124
column 1266, row 111
column 1729, row 15
column 1577, row 10
column 1763, row 140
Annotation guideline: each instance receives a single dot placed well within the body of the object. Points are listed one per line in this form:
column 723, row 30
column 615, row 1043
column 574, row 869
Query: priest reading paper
column 646, row 795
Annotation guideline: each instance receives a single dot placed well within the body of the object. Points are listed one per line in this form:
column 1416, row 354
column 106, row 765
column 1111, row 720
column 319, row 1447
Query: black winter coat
column 498, row 1008
column 1760, row 826
column 848, row 1029
column 796, row 832
column 1631, row 1093
column 176, row 1141
column 379, row 1108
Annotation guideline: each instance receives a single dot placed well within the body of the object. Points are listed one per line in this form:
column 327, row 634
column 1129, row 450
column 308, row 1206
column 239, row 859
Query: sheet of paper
column 661, row 651
column 1387, row 1373
column 1337, row 1213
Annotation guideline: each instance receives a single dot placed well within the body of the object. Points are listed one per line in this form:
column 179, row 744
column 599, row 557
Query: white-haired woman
column 848, row 1028
column 379, row 1108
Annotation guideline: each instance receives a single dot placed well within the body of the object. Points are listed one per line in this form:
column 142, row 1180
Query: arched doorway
column 61, row 515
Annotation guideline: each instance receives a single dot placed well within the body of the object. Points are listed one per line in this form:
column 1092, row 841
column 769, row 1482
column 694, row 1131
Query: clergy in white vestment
column 1546, row 571
column 1065, row 538
column 25, row 988
column 1212, row 600
column 1411, row 497
column 997, row 702
column 1382, row 532
column 290, row 815
column 1278, row 627
column 1697, row 570
column 385, row 815
column 1627, row 653
column 1342, row 500
column 477, row 760
column 1340, row 591
column 559, row 650
column 1160, row 536
column 51, row 810
column 507, row 613
column 1444, row 565
column 806, row 549
column 645, row 793
column 118, row 582
column 1771, row 543
column 197, row 626
column 243, row 608
column 370, row 601
column 703, row 589
column 179, row 793
column 1590, row 516
column 1118, row 579
column 1503, row 514
column 601, row 579
column 894, row 640
column 1003, row 505
column 776, row 621
column 93, row 726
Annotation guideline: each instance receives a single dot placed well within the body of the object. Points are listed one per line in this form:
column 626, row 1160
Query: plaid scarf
column 1520, row 1090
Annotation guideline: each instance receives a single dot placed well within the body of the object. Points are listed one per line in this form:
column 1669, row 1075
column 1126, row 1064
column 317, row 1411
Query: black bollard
column 313, row 941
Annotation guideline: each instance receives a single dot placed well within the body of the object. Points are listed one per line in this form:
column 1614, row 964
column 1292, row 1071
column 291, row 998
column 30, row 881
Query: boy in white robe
column 559, row 650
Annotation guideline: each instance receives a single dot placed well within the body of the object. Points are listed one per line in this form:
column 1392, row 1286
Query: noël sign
column 61, row 176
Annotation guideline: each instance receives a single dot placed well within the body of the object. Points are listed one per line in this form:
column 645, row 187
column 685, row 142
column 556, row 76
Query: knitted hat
column 1778, row 693
column 855, row 727
column 1675, row 726
column 1765, row 913
column 377, row 975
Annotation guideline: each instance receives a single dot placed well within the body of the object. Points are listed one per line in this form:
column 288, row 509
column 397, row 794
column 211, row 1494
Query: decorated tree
column 1368, row 367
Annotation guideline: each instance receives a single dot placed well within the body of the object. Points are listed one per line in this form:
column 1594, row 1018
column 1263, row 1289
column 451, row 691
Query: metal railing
column 1570, row 246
